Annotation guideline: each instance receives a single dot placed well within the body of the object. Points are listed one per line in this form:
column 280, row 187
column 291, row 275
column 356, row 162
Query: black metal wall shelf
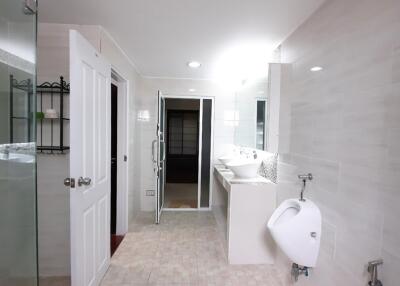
column 26, row 86
column 51, row 91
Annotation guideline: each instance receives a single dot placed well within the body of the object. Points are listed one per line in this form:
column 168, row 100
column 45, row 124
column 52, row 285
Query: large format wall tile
column 342, row 125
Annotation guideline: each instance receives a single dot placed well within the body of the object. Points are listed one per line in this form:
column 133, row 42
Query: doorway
column 182, row 147
column 184, row 153
column 118, row 168
column 115, row 239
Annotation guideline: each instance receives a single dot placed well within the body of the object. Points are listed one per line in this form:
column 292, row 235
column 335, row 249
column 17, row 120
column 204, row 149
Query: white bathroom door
column 90, row 79
column 161, row 155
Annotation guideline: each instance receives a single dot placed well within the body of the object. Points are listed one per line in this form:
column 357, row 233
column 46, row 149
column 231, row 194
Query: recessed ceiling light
column 192, row 90
column 315, row 69
column 194, row 64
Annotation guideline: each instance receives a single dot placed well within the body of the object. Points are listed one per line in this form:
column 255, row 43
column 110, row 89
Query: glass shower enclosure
column 18, row 222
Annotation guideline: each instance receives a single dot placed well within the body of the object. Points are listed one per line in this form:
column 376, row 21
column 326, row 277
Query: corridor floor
column 186, row 248
column 180, row 195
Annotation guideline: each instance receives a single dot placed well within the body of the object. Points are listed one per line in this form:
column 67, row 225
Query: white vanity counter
column 227, row 178
column 250, row 204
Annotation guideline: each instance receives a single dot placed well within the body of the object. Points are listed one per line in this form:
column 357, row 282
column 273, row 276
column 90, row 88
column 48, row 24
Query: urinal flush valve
column 304, row 178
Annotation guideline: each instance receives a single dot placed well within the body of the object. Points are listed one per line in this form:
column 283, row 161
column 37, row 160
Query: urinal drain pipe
column 299, row 270
column 373, row 271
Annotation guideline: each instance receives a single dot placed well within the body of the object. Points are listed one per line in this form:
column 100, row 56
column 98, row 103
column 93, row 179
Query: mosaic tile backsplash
column 269, row 167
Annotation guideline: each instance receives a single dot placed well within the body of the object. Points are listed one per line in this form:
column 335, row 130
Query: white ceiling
column 161, row 36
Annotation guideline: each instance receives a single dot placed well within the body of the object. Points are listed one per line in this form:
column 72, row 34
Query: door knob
column 69, row 182
column 84, row 181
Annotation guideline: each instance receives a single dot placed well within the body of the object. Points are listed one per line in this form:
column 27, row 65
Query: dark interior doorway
column 182, row 146
column 188, row 144
column 182, row 153
column 114, row 142
column 115, row 239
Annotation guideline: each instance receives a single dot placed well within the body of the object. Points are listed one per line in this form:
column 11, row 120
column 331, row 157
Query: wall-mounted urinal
column 296, row 228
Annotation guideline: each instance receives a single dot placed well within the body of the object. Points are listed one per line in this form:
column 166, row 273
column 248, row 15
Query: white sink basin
column 226, row 159
column 244, row 168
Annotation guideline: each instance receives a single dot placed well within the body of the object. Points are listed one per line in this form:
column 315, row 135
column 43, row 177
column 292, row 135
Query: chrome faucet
column 247, row 153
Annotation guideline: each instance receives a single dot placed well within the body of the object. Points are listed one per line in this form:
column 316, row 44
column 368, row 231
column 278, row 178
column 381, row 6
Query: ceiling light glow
column 242, row 64
column 316, row 69
column 192, row 90
column 194, row 64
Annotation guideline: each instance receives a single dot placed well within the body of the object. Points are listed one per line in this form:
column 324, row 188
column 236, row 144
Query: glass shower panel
column 205, row 153
column 18, row 240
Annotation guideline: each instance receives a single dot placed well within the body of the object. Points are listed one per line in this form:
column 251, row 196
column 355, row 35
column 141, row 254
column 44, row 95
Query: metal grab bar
column 152, row 151
column 164, row 151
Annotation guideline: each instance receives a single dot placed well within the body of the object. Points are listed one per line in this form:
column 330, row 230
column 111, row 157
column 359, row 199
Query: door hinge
column 30, row 7
column 125, row 158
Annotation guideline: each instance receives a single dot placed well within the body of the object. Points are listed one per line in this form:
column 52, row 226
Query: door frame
column 265, row 100
column 199, row 97
column 160, row 161
column 122, row 150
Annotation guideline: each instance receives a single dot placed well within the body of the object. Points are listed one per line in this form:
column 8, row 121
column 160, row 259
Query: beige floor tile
column 54, row 281
column 186, row 248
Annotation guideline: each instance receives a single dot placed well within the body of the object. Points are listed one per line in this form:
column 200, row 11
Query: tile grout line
column 157, row 251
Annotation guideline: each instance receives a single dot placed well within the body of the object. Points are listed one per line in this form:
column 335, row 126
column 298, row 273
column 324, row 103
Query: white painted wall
column 53, row 198
column 342, row 124
column 53, row 48
column 274, row 95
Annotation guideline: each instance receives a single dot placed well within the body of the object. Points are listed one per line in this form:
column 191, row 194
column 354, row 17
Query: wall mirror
column 251, row 107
